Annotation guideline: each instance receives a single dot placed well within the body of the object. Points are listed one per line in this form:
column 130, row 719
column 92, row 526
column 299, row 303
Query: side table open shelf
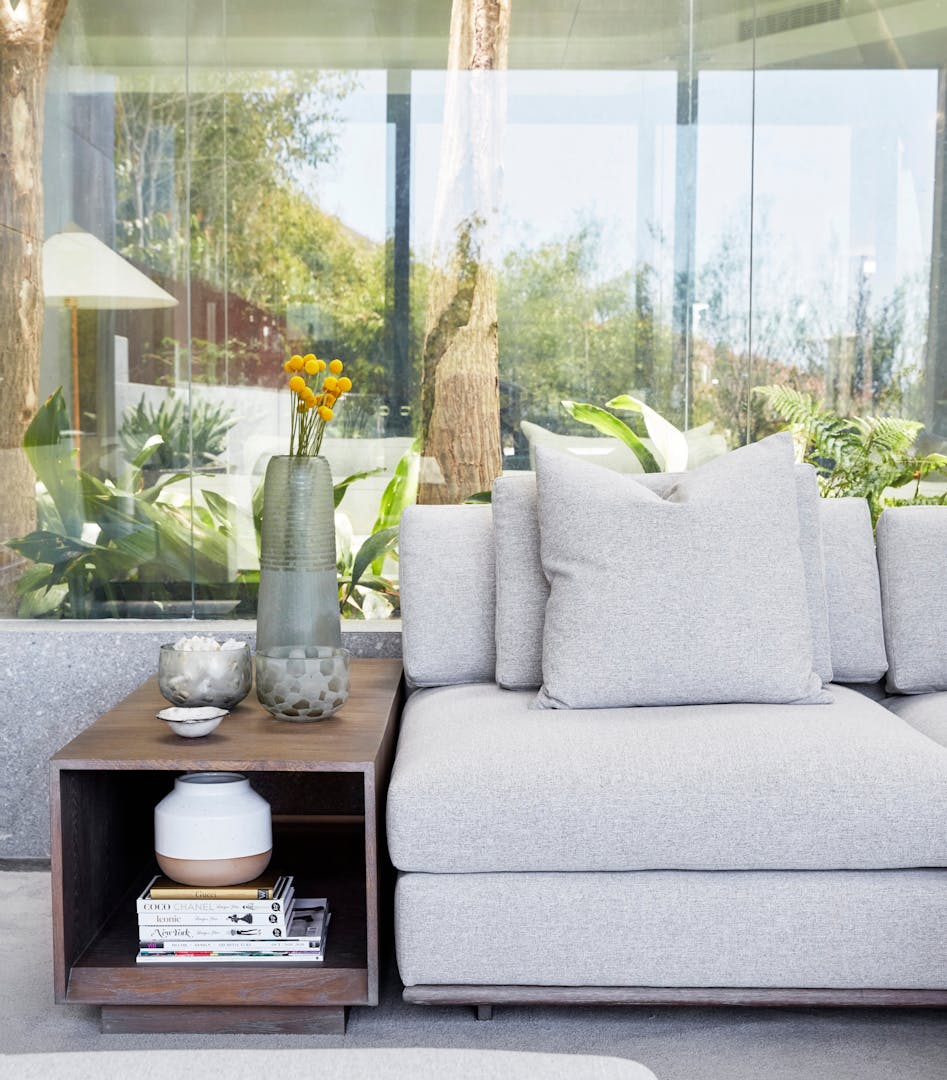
column 326, row 784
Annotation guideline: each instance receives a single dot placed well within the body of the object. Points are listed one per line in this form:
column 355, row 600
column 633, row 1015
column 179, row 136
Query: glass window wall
column 689, row 201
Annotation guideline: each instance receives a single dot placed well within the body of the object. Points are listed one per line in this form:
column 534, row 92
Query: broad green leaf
column 54, row 460
column 41, row 602
column 256, row 503
column 51, row 548
column 149, row 495
column 669, row 441
column 223, row 509
column 608, row 424
column 479, row 497
column 36, row 577
column 375, row 547
column 400, row 491
column 339, row 489
column 147, row 451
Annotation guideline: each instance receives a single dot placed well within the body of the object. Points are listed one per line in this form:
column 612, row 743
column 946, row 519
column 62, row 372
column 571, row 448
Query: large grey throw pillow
column 522, row 588
column 696, row 598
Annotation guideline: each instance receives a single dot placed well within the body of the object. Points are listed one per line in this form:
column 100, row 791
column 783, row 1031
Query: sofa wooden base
column 485, row 997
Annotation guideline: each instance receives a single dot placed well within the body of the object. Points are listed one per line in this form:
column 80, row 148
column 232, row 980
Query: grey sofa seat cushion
column 840, row 929
column 697, row 597
column 926, row 713
column 853, row 592
column 912, row 560
column 482, row 782
column 522, row 588
column 448, row 594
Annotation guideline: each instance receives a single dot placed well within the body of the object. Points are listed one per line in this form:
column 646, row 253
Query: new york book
column 306, row 942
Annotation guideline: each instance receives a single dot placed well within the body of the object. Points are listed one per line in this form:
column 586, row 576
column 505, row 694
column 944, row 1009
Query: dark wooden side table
column 326, row 783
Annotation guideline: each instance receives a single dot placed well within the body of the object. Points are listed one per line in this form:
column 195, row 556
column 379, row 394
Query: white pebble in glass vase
column 302, row 684
column 192, row 675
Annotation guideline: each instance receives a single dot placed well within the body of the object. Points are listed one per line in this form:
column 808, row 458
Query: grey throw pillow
column 522, row 589
column 695, row 598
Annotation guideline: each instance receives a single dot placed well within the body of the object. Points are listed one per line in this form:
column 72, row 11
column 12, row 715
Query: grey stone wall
column 57, row 677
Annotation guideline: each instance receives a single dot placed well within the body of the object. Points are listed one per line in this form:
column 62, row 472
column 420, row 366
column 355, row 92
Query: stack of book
column 262, row 920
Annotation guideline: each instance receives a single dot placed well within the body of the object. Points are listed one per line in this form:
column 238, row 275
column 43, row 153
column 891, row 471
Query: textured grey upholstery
column 912, row 559
column 926, row 713
column 820, row 929
column 852, row 591
column 522, row 588
column 482, row 782
column 316, row 1064
column 694, row 598
column 448, row 594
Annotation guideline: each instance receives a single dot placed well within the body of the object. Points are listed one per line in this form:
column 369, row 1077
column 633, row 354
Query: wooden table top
column 249, row 739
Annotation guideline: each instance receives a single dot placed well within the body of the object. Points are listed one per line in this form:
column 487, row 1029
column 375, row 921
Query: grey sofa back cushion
column 522, row 588
column 853, row 592
column 696, row 598
column 448, row 594
column 912, row 560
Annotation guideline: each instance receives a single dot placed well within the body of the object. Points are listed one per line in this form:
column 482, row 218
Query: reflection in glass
column 691, row 206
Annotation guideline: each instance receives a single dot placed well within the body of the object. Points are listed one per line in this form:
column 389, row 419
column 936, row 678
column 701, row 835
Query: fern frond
column 886, row 435
column 828, row 437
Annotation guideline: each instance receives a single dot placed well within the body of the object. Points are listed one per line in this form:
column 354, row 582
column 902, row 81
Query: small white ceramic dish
column 192, row 723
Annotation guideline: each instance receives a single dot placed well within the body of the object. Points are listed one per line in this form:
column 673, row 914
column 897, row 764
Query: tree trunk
column 27, row 33
column 460, row 398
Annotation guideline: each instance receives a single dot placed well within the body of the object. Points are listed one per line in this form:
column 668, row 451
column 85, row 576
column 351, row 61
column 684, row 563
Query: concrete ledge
column 57, row 676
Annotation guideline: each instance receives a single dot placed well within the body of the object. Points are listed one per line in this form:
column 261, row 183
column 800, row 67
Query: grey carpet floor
column 676, row 1043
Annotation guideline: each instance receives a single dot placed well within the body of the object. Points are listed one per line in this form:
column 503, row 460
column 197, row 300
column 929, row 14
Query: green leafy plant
column 92, row 534
column 362, row 574
column 201, row 430
column 670, row 444
column 856, row 455
column 93, row 537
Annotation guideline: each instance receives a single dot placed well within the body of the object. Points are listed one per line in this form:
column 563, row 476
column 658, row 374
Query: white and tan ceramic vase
column 213, row 829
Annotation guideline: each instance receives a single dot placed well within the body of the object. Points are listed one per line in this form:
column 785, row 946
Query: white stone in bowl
column 192, row 723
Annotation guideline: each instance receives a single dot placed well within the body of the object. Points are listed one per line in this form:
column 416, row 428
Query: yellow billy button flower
column 335, row 367
column 330, row 399
column 311, row 365
column 325, row 413
column 345, row 384
column 297, row 384
column 330, row 384
column 309, row 397
column 288, row 366
column 321, row 365
column 295, row 363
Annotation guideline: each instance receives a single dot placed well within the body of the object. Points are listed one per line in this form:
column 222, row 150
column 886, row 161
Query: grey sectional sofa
column 738, row 853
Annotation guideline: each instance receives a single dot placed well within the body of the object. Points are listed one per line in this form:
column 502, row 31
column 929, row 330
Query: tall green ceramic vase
column 298, row 603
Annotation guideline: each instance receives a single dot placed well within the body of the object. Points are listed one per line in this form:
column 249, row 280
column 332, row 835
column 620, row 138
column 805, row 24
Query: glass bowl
column 302, row 684
column 218, row 677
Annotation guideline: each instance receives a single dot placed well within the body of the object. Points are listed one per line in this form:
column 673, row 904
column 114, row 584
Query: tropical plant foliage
column 863, row 456
column 197, row 434
column 668, row 451
column 92, row 534
column 93, row 537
